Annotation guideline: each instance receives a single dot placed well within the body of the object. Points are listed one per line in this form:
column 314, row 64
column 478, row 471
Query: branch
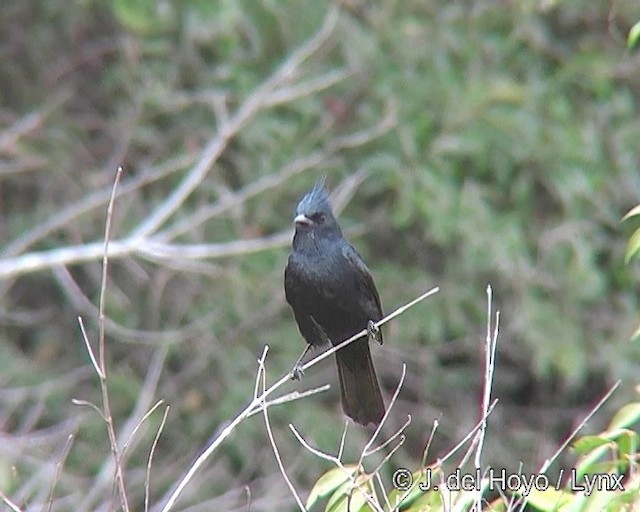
column 256, row 102
column 258, row 402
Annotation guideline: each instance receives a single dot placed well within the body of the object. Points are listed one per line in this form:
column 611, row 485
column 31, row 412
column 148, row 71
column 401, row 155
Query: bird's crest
column 317, row 199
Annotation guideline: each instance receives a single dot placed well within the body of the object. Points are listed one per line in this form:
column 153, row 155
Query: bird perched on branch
column 333, row 297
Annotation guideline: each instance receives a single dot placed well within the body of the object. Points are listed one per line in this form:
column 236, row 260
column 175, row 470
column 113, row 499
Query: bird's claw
column 373, row 332
column 297, row 372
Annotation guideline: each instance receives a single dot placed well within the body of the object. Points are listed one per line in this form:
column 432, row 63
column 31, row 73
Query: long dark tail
column 359, row 389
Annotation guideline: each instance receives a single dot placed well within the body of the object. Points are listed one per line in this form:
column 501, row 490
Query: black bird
column 333, row 297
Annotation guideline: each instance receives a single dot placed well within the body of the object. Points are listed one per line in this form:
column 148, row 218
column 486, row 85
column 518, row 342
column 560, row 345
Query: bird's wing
column 309, row 328
column 364, row 282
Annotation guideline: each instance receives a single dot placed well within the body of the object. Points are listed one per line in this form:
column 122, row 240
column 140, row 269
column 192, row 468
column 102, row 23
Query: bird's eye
column 318, row 218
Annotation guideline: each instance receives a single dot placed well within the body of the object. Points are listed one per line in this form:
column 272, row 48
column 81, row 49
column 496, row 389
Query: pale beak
column 302, row 220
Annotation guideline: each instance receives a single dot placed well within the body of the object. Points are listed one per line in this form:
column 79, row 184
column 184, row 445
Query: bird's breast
column 320, row 277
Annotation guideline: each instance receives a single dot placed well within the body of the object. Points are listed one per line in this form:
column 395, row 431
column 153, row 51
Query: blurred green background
column 469, row 143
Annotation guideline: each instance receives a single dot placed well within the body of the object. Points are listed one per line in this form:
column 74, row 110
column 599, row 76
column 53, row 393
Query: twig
column 343, row 438
column 308, row 88
column 364, row 332
column 106, row 402
column 259, row 373
column 139, row 424
column 428, row 444
column 96, row 366
column 10, row 503
column 141, row 242
column 63, row 457
column 101, row 365
column 91, row 405
column 462, row 442
column 338, row 463
column 159, row 247
column 398, row 433
column 366, row 451
column 91, row 202
column 133, row 422
column 367, row 447
column 248, row 109
column 262, row 373
column 423, row 463
column 254, row 406
column 10, row 136
column 319, row 453
column 491, row 342
column 257, row 402
column 147, row 478
column 252, row 189
column 293, row 396
column 601, row 402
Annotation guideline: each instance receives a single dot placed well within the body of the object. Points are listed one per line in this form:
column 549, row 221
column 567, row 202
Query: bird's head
column 314, row 215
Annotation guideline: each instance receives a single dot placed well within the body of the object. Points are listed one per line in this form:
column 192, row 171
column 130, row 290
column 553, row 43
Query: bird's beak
column 302, row 220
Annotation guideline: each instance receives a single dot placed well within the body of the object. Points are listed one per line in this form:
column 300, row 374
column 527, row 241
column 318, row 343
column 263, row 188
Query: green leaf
column 136, row 15
column 416, row 493
column 627, row 449
column 626, row 416
column 350, row 498
column 633, row 246
column 633, row 41
column 587, row 444
column 549, row 499
column 635, row 211
column 329, row 482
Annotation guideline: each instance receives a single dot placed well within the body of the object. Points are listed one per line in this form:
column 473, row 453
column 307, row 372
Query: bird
column 333, row 296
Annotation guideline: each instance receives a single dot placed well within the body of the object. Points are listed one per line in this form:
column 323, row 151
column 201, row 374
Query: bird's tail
column 359, row 389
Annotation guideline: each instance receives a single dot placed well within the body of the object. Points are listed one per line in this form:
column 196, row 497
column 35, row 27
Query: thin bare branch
column 143, row 403
column 343, row 438
column 367, row 447
column 471, row 433
column 87, row 204
column 293, row 396
column 10, row 503
column 394, row 436
column 236, row 122
column 363, row 332
column 262, row 372
column 96, row 366
column 335, row 460
column 257, row 403
column 563, row 446
column 253, row 189
column 425, row 452
column 491, row 343
column 65, row 452
column 139, row 424
column 353, row 140
column 317, row 452
column 259, row 373
column 159, row 248
column 85, row 403
column 387, row 457
column 101, row 360
column 10, row 136
column 308, row 88
column 147, row 478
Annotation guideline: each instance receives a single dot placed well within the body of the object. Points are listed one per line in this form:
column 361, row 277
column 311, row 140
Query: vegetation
column 468, row 143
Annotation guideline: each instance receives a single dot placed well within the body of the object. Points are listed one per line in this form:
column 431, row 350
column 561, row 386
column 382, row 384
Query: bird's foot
column 297, row 372
column 373, row 332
